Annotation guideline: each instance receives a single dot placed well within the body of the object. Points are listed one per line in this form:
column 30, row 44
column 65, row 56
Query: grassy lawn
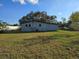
column 40, row 45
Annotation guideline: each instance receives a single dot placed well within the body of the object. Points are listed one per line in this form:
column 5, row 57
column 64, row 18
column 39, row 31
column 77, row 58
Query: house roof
column 40, row 22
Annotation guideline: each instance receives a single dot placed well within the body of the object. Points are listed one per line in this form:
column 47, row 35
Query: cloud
column 33, row 1
column 1, row 5
column 27, row 1
column 20, row 1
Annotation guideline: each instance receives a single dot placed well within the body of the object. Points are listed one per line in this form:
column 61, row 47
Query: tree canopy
column 3, row 24
column 38, row 16
column 74, row 18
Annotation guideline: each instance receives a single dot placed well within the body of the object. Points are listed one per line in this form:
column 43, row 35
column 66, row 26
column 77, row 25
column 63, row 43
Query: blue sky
column 12, row 10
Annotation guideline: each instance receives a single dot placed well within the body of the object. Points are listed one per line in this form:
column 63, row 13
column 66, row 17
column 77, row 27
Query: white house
column 37, row 26
column 10, row 28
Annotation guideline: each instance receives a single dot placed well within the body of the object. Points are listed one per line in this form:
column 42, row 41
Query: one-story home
column 38, row 26
column 10, row 28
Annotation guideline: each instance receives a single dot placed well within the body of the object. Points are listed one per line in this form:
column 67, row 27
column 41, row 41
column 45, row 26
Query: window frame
column 26, row 25
column 29, row 25
column 40, row 25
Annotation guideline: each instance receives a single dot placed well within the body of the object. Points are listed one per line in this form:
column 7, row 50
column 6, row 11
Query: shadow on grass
column 27, row 32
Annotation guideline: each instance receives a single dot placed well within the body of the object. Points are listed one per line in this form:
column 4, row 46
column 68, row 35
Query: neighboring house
column 10, row 28
column 38, row 26
column 75, row 25
column 0, row 28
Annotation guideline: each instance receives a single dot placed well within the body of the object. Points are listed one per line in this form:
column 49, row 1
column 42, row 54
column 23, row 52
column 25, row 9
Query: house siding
column 36, row 27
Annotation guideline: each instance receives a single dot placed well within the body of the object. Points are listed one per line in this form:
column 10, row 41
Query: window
column 29, row 25
column 39, row 25
column 26, row 25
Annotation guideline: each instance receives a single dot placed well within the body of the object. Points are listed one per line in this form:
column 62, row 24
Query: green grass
column 40, row 45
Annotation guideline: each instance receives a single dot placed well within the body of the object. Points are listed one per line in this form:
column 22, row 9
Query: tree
column 63, row 20
column 37, row 16
column 3, row 24
column 16, row 24
column 0, row 23
column 53, row 19
column 69, row 22
column 74, row 18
